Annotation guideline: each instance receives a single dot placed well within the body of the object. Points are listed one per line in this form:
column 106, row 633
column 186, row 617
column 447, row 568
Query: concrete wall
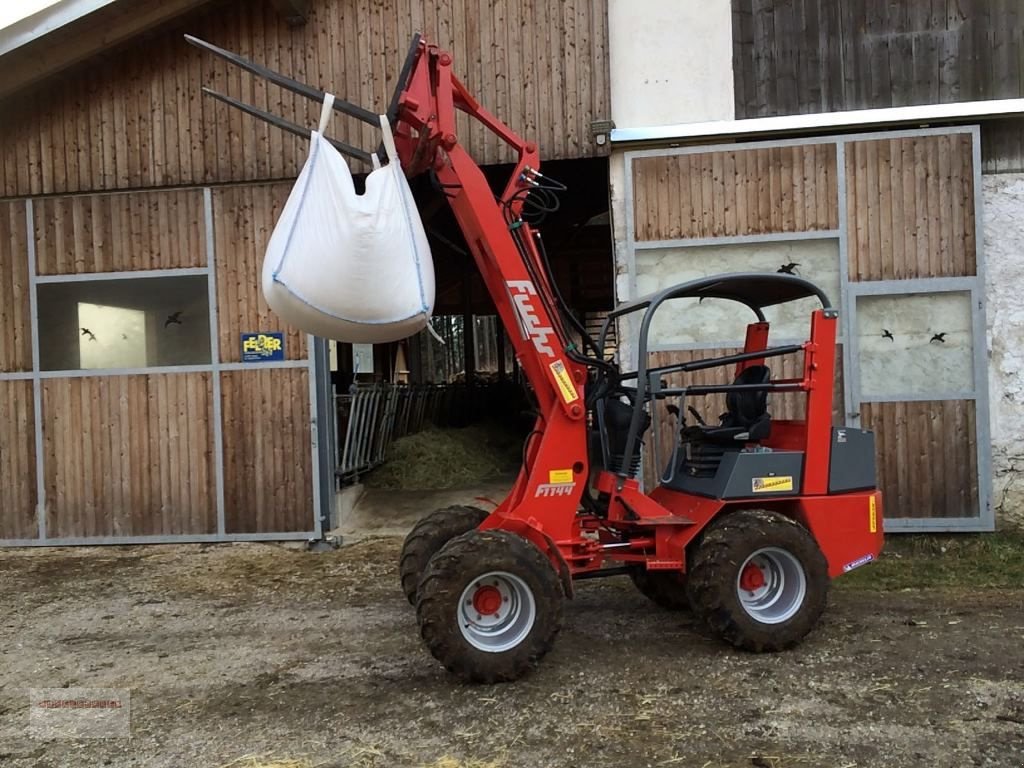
column 623, row 286
column 688, row 321
column 1004, row 269
column 671, row 61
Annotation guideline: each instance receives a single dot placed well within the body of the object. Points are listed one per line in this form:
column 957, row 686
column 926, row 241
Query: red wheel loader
column 751, row 516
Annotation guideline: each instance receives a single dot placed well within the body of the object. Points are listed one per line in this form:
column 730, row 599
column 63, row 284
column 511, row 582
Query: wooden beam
column 295, row 12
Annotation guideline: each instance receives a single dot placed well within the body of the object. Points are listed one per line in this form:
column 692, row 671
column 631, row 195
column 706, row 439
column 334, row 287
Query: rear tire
column 758, row 580
column 489, row 606
column 666, row 589
column 428, row 536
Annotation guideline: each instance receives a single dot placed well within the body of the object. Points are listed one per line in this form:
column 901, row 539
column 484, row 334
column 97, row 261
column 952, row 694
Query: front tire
column 428, row 536
column 489, row 606
column 758, row 580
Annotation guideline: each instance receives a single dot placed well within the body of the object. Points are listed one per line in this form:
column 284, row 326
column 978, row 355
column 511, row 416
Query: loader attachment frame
column 507, row 252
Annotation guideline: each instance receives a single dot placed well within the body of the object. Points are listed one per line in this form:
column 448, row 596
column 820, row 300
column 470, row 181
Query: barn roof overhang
column 71, row 31
column 821, row 123
column 45, row 21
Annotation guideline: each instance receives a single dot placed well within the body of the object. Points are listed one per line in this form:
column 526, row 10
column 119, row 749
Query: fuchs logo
column 554, row 489
column 521, row 293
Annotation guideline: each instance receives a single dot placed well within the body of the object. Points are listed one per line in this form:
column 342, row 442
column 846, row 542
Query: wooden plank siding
column 810, row 56
column 134, row 116
column 781, row 405
column 927, row 457
column 120, row 232
column 268, row 470
column 129, row 455
column 17, row 462
column 1002, row 146
column 807, row 56
column 244, row 217
column 735, row 192
column 910, row 208
column 16, row 339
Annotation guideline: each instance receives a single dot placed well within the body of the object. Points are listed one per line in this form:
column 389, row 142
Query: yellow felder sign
column 872, row 515
column 565, row 385
column 773, row 484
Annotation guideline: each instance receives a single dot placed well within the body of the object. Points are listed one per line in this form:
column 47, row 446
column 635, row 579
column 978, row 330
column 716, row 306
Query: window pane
column 915, row 344
column 134, row 323
column 687, row 321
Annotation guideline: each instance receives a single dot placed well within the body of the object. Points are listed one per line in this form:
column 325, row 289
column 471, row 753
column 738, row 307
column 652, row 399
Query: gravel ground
column 262, row 650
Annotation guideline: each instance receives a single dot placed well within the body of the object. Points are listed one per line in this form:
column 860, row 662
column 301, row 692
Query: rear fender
column 847, row 527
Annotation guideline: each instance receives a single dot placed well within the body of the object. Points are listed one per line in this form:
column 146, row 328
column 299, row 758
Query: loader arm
column 505, row 249
column 502, row 244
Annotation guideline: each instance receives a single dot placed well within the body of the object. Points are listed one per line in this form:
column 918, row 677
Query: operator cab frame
column 747, row 454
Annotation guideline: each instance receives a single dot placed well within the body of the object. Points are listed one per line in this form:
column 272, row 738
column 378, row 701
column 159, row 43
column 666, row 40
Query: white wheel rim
column 771, row 585
column 496, row 612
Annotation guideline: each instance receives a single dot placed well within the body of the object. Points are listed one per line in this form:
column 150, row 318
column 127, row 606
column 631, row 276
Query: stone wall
column 1004, row 269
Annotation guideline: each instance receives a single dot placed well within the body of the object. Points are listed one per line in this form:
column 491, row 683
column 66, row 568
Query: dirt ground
column 262, row 650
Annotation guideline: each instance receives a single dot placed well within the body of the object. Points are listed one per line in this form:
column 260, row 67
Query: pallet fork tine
column 345, row 149
column 340, row 105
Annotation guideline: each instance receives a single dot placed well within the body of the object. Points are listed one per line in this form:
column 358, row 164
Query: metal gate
column 915, row 318
column 888, row 224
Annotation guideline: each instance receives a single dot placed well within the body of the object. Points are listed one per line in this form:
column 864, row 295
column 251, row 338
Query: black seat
column 746, row 419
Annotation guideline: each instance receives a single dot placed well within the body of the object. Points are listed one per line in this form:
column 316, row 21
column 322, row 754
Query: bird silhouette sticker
column 173, row 319
column 939, row 337
column 790, row 268
column 887, row 334
column 90, row 334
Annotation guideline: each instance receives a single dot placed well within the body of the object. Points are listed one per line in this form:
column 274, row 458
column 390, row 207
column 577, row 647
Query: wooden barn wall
column 910, row 208
column 268, row 469
column 17, row 461
column 136, row 118
column 781, row 405
column 15, row 319
column 1002, row 146
column 806, row 56
column 129, row 455
column 120, row 232
column 928, row 457
column 244, row 217
column 735, row 192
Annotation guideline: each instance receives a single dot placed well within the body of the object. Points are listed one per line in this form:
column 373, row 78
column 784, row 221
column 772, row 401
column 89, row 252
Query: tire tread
column 711, row 579
column 444, row 579
column 428, row 536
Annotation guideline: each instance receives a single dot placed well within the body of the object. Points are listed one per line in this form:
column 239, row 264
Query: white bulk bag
column 355, row 268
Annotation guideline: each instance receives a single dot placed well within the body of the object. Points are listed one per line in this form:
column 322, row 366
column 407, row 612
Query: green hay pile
column 447, row 458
